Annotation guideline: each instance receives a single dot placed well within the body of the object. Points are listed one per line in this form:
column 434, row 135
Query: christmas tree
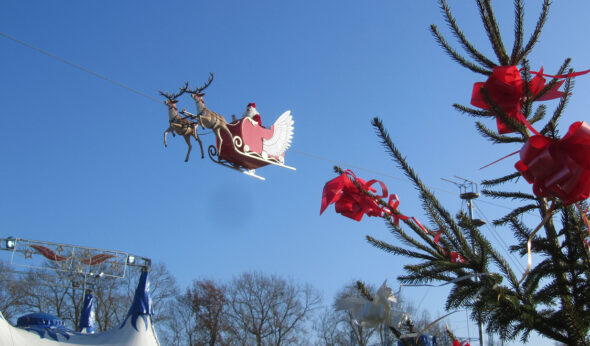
column 552, row 298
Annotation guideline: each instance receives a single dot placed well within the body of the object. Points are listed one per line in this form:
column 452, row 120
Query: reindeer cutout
column 207, row 118
column 180, row 125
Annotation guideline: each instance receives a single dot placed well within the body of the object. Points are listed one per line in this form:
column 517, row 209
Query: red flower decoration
column 558, row 168
column 505, row 88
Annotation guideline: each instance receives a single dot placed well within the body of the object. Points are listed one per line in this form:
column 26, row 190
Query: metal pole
column 479, row 324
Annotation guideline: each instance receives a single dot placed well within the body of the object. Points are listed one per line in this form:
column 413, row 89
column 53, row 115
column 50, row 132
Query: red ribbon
column 558, row 168
column 353, row 203
column 462, row 343
column 349, row 200
column 505, row 88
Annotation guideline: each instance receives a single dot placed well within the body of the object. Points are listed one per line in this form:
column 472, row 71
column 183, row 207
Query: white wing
column 281, row 137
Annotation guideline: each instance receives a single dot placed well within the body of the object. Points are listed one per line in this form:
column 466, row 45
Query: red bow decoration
column 353, row 203
column 505, row 88
column 559, row 168
column 349, row 200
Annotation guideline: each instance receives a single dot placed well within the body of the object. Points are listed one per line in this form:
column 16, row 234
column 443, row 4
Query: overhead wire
column 498, row 238
column 80, row 67
column 119, row 84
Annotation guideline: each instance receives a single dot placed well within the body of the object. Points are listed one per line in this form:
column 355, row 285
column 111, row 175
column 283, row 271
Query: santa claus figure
column 252, row 114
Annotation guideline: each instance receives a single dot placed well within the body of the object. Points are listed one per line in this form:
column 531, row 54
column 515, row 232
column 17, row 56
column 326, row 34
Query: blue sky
column 83, row 160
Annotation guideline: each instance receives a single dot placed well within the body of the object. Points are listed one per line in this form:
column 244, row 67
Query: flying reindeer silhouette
column 206, row 117
column 180, row 125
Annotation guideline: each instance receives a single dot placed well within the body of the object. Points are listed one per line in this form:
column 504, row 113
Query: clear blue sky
column 82, row 160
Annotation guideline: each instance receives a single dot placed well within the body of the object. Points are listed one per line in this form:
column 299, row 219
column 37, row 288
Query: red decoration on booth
column 505, row 88
column 559, row 168
column 48, row 253
column 97, row 259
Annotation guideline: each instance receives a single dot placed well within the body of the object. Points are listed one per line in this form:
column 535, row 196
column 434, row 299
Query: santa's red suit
column 252, row 113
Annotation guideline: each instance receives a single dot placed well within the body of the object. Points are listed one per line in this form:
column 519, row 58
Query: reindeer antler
column 199, row 91
column 173, row 97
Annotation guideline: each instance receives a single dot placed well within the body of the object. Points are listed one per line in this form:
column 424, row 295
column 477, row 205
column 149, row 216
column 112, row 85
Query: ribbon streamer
column 530, row 241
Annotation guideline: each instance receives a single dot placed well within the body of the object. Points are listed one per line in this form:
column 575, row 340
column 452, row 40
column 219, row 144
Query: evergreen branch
column 522, row 234
column 422, row 278
column 506, row 269
column 509, row 194
column 473, row 112
column 518, row 32
column 425, row 194
column 407, row 239
column 474, row 53
column 497, row 43
column 492, row 136
column 538, row 27
column 397, row 250
column 501, row 180
column 454, row 55
column 515, row 213
column 551, row 126
column 364, row 291
column 539, row 114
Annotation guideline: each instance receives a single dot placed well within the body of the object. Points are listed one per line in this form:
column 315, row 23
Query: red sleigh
column 253, row 146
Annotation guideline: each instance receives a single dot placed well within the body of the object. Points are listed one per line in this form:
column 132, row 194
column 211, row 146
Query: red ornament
column 558, row 168
column 349, row 200
column 505, row 88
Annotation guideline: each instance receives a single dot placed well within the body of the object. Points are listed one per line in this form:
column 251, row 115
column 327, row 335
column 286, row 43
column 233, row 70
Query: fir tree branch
column 539, row 114
column 364, row 291
column 396, row 249
column 454, row 55
column 473, row 112
column 515, row 213
column 474, row 53
column 425, row 194
column 518, row 32
column 491, row 25
column 538, row 27
column 501, row 180
column 551, row 126
column 493, row 137
column 509, row 194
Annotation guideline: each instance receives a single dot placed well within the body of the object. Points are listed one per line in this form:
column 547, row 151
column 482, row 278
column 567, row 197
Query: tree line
column 251, row 309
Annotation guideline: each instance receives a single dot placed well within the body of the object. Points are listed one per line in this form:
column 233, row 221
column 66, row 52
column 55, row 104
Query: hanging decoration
column 354, row 203
column 505, row 88
column 243, row 145
column 558, row 168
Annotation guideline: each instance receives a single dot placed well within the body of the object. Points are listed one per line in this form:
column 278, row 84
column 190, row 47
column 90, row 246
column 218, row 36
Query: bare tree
column 10, row 292
column 329, row 329
column 182, row 328
column 269, row 310
column 208, row 301
column 61, row 293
